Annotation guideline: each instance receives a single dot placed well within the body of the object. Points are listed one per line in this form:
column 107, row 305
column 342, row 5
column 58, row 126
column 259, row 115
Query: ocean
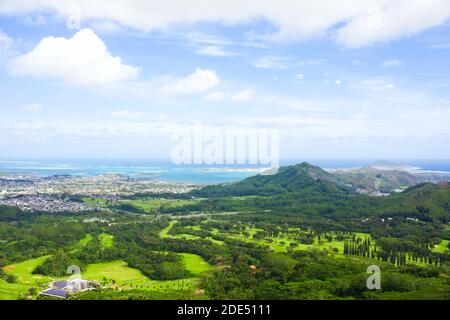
column 161, row 170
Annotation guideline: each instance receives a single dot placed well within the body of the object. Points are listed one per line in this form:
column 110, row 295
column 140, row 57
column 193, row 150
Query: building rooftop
column 57, row 293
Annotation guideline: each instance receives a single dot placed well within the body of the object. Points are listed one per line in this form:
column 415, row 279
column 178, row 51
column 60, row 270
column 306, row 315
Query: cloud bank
column 352, row 23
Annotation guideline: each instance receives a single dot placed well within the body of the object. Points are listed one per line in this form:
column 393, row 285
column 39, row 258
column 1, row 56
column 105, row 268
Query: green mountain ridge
column 287, row 179
column 370, row 180
column 306, row 189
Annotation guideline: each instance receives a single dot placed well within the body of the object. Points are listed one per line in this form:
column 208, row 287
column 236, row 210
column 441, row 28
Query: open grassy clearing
column 195, row 264
column 195, row 228
column 106, row 240
column 278, row 244
column 23, row 271
column 186, row 236
column 145, row 204
column 11, row 291
column 86, row 240
column 441, row 247
column 165, row 233
column 151, row 204
column 283, row 242
column 98, row 202
column 118, row 274
column 25, row 279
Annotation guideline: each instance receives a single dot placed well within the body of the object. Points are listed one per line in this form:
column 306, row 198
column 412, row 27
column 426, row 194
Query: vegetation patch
column 86, row 240
column 106, row 240
column 24, row 279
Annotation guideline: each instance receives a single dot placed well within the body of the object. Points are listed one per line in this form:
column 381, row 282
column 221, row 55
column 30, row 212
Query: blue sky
column 364, row 79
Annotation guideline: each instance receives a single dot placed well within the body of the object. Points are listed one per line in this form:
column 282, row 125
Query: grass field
column 164, row 233
column 195, row 228
column 25, row 278
column 186, row 236
column 95, row 202
column 278, row 244
column 151, row 204
column 116, row 270
column 86, row 240
column 146, row 204
column 195, row 264
column 283, row 242
column 441, row 247
column 119, row 274
column 106, row 240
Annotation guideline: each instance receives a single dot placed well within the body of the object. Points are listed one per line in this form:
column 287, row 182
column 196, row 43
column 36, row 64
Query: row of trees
column 395, row 251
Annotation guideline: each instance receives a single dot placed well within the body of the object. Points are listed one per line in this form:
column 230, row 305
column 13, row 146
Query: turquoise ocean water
column 166, row 171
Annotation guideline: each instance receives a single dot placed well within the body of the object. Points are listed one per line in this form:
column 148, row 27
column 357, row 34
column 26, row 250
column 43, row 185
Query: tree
column 10, row 278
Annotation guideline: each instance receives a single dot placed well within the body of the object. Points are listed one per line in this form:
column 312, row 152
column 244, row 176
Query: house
column 62, row 289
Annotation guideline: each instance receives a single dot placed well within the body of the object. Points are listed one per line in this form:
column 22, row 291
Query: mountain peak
column 313, row 171
column 304, row 164
column 287, row 179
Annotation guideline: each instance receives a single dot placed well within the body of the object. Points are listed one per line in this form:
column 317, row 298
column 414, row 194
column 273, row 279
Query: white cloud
column 89, row 130
column 338, row 82
column 35, row 107
column 127, row 115
column 243, row 96
column 353, row 23
column 215, row 96
column 390, row 85
column 215, row 51
column 81, row 60
column 207, row 39
column 5, row 42
column 272, row 62
column 300, row 76
column 202, row 80
column 283, row 62
column 37, row 21
column 310, row 62
column 106, row 26
column 391, row 63
column 377, row 85
column 388, row 20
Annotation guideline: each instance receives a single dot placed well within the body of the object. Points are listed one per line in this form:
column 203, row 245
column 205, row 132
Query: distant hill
column 383, row 177
column 303, row 176
column 377, row 180
column 308, row 190
column 427, row 199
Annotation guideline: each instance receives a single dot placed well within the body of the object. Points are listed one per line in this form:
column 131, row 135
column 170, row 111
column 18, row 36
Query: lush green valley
column 298, row 234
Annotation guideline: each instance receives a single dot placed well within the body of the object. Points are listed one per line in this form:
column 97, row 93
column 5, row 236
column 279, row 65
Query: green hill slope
column 288, row 179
